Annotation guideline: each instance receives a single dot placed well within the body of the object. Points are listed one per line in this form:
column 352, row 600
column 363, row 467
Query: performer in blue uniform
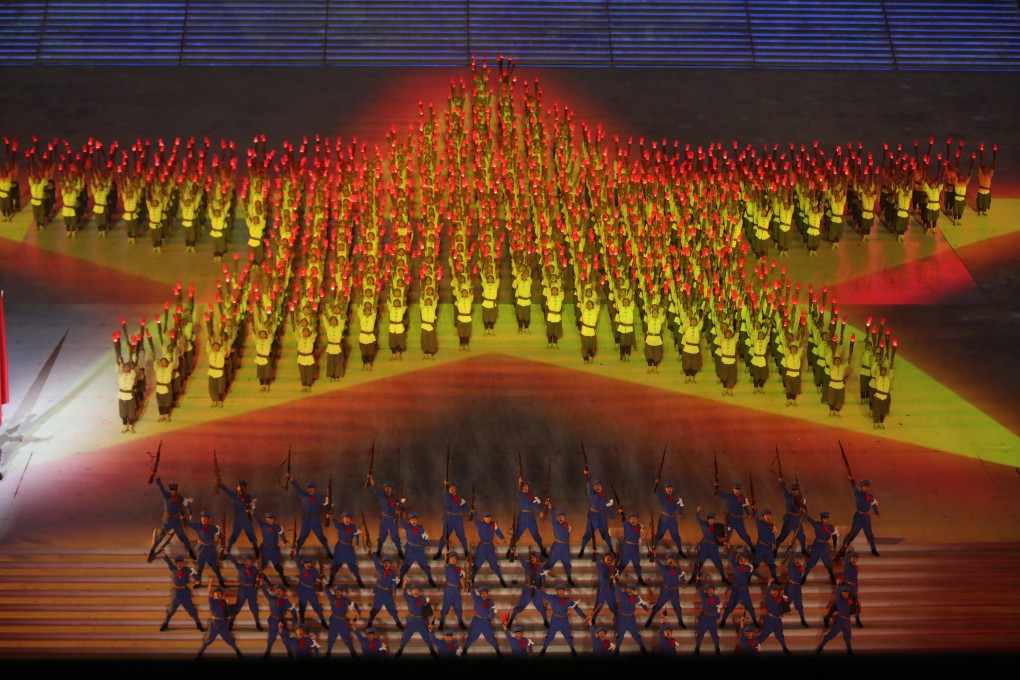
column 180, row 592
column 455, row 507
column 520, row 647
column 219, row 623
column 243, row 506
column 452, row 599
column 865, row 504
column 561, row 606
column 312, row 506
column 628, row 601
column 269, row 551
column 207, row 534
column 528, row 506
column 844, row 606
column 774, row 609
column 765, row 547
column 173, row 514
column 534, row 581
column 792, row 523
column 737, row 508
column 247, row 589
column 347, row 539
column 485, row 551
column 630, row 548
column 308, row 590
column 372, row 646
column 671, row 510
column 825, row 533
column 740, row 593
column 385, row 584
column 280, row 610
column 416, row 542
column 481, row 622
column 340, row 607
column 560, row 553
column 599, row 504
column 672, row 579
column 415, row 621
column 708, row 617
column 708, row 548
column 389, row 505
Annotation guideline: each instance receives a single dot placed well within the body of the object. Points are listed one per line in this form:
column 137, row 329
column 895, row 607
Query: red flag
column 5, row 395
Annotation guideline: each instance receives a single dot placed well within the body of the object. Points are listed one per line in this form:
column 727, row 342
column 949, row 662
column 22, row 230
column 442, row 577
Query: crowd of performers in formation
column 500, row 196
column 753, row 584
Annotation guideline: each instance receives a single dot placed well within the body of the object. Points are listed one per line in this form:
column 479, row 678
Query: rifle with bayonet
column 328, row 519
column 216, row 473
column 548, row 486
column 511, row 551
column 715, row 464
column 367, row 541
column 221, row 536
column 650, row 539
column 155, row 461
column 400, row 486
column 471, row 508
column 846, row 463
column 658, row 475
column 293, row 541
column 619, row 506
column 286, row 462
column 371, row 465
column 750, row 494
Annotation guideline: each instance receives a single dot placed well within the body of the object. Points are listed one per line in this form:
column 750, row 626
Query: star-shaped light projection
column 932, row 410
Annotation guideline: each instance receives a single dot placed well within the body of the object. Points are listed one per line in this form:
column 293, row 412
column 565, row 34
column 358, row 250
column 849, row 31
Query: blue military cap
column 387, row 484
column 633, row 514
column 172, row 487
column 311, row 485
column 632, row 585
column 241, row 482
column 852, row 553
column 448, row 633
column 387, row 558
column 370, row 630
column 179, row 558
column 271, row 515
column 667, row 627
column 775, row 585
column 749, row 628
column 453, row 484
column 667, row 485
column 483, row 589
column 249, row 556
column 707, row 584
column 517, row 629
column 865, row 482
column 345, row 513
column 204, row 513
column 823, row 515
column 596, row 483
column 795, row 487
column 600, row 629
column 561, row 585
column 844, row 588
column 412, row 586
column 710, row 515
column 413, row 515
column 218, row 589
column 340, row 587
column 559, row 512
column 766, row 511
column 486, row 514
column 736, row 485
